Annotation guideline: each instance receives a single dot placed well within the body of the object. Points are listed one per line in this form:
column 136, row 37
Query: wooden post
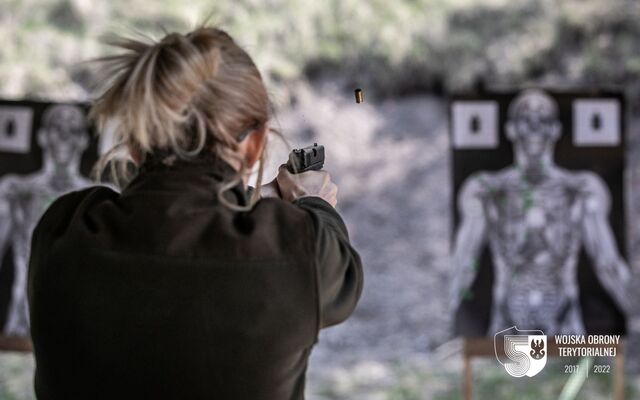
column 468, row 374
column 15, row 343
column 618, row 373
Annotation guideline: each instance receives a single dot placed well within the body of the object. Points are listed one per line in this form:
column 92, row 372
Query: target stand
column 16, row 344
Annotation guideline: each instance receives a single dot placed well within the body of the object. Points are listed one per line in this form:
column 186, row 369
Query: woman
column 180, row 286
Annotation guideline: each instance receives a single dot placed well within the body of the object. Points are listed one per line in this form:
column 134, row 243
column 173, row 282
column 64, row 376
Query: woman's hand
column 270, row 189
column 310, row 183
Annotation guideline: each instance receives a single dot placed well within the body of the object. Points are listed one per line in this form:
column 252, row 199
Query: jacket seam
column 313, row 250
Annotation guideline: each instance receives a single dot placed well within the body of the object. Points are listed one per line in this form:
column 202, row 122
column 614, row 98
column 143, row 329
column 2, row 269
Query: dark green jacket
column 162, row 293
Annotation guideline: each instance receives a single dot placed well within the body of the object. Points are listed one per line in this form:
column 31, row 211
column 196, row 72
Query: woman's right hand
column 309, row 183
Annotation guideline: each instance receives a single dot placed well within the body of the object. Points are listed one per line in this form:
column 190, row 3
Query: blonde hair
column 186, row 94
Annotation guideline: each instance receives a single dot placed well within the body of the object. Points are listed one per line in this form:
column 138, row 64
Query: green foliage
column 390, row 47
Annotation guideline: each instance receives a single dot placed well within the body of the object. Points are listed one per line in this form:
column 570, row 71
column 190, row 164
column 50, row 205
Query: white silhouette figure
column 535, row 216
column 63, row 137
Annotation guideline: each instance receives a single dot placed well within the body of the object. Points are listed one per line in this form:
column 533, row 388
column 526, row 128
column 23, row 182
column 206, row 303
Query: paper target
column 15, row 129
column 474, row 124
column 596, row 122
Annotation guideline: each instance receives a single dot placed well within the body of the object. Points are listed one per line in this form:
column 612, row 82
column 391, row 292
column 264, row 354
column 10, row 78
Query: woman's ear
column 253, row 145
column 135, row 155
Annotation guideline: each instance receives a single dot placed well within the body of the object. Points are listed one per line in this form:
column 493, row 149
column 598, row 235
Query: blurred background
column 389, row 155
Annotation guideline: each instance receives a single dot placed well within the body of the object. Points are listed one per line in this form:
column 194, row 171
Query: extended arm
column 469, row 240
column 339, row 268
column 599, row 242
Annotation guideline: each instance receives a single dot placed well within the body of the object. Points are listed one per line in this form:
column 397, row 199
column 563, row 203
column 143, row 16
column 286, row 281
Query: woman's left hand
column 270, row 189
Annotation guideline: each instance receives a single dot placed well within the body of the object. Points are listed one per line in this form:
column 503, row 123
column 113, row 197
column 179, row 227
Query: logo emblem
column 521, row 352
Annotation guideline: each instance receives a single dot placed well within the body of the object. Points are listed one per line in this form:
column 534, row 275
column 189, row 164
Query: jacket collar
column 199, row 176
column 163, row 160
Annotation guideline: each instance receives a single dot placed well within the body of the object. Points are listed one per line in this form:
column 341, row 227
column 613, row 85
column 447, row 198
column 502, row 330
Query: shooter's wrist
column 310, row 183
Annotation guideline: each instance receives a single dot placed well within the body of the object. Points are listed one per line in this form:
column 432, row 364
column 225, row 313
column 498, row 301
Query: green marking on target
column 50, row 201
column 527, row 199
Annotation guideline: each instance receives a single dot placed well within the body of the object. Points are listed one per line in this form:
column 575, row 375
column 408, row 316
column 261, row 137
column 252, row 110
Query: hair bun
column 182, row 93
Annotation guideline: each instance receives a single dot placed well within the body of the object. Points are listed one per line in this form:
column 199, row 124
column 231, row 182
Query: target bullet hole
column 359, row 96
column 596, row 122
column 10, row 128
column 475, row 124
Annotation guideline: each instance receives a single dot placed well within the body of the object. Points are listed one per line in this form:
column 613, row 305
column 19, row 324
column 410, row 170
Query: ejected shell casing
column 359, row 96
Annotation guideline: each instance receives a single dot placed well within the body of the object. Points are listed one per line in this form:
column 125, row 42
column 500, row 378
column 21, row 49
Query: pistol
column 309, row 158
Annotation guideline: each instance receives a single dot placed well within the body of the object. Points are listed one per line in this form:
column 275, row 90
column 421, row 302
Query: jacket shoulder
column 60, row 213
column 280, row 211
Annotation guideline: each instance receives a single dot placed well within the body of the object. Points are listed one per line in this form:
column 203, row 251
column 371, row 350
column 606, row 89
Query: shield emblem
column 524, row 353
